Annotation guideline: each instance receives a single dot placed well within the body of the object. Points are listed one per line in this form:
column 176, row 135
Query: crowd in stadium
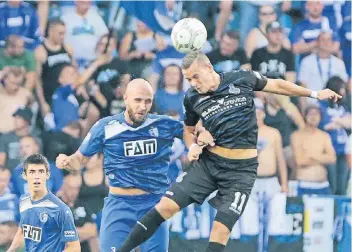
column 61, row 70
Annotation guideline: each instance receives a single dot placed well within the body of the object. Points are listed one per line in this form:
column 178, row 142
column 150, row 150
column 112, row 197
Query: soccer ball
column 188, row 34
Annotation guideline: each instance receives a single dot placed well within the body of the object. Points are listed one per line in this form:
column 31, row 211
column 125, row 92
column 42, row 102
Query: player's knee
column 227, row 219
column 220, row 233
column 167, row 208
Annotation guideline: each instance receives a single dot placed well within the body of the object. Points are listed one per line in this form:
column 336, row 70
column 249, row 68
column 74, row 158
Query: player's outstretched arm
column 278, row 86
column 17, row 241
column 73, row 246
column 75, row 162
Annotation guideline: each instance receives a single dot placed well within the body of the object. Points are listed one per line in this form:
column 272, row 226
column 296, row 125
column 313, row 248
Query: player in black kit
column 227, row 161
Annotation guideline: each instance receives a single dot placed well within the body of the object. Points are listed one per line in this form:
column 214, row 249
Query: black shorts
column 233, row 179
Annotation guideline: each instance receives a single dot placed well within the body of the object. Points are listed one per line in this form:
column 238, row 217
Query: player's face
column 313, row 117
column 36, row 176
column 138, row 105
column 199, row 76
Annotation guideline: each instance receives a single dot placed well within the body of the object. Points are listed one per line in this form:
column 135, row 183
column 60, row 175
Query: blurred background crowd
column 65, row 64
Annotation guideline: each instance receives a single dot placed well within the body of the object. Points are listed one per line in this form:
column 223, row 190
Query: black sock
column 215, row 247
column 143, row 230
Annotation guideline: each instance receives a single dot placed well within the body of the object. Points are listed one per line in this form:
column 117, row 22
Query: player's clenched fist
column 205, row 138
column 63, row 161
column 194, row 151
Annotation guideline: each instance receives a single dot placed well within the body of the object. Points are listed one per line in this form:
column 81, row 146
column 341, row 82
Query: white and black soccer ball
column 188, row 34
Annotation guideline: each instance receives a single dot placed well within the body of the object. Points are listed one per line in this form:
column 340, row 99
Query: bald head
column 138, row 99
column 139, row 85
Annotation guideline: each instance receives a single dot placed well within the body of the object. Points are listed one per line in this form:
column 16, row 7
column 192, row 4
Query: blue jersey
column 8, row 207
column 134, row 157
column 165, row 58
column 346, row 40
column 20, row 186
column 154, row 14
column 46, row 224
column 22, row 21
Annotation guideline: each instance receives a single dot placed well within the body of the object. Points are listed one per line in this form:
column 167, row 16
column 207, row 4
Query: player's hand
column 328, row 94
column 284, row 189
column 194, row 152
column 63, row 161
column 205, row 138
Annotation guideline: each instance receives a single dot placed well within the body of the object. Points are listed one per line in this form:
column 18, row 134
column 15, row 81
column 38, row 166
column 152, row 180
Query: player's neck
column 217, row 80
column 38, row 195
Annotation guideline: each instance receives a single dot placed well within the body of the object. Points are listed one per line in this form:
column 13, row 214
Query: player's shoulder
column 163, row 120
column 56, row 201
column 240, row 75
column 101, row 123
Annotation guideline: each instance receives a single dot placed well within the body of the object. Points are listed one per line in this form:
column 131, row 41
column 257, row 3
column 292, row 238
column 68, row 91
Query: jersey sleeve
column 93, row 142
column 68, row 229
column 258, row 81
column 191, row 117
column 178, row 129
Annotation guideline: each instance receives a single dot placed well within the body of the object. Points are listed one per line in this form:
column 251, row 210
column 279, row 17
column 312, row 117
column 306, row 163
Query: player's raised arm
column 75, row 162
column 17, row 241
column 278, row 86
column 73, row 246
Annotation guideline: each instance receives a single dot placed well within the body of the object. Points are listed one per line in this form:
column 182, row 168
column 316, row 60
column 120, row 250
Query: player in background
column 46, row 222
column 137, row 148
column 224, row 103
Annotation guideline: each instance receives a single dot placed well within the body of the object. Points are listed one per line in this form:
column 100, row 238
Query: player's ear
column 210, row 67
column 24, row 176
column 48, row 175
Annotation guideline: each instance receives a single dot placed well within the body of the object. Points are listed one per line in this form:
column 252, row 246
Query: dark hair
column 180, row 85
column 38, row 159
column 311, row 107
column 335, row 83
column 54, row 22
column 232, row 35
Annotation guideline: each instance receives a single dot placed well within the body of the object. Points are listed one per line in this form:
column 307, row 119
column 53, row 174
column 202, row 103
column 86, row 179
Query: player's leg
column 192, row 186
column 118, row 219
column 235, row 179
column 159, row 242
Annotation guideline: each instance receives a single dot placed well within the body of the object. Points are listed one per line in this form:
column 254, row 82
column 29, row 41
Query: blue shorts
column 120, row 214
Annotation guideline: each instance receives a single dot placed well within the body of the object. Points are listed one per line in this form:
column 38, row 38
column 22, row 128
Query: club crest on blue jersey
column 43, row 217
column 154, row 132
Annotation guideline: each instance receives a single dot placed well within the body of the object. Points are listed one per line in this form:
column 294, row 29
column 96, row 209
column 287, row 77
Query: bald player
column 271, row 158
column 137, row 147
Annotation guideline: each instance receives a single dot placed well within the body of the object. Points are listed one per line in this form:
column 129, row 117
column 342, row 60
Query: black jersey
column 228, row 113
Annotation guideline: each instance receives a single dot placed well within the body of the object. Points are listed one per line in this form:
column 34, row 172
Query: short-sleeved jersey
column 228, row 113
column 134, row 157
column 46, row 224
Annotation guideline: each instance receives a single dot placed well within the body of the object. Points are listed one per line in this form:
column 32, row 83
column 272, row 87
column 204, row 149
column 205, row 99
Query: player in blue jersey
column 46, row 222
column 137, row 147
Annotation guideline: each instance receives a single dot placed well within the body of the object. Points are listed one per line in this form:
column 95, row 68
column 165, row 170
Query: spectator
column 317, row 68
column 65, row 141
column 346, row 40
column 274, row 61
column 84, row 24
column 348, row 153
column 304, row 35
column 28, row 146
column 139, row 48
column 84, row 219
column 7, row 234
column 271, row 158
column 10, row 142
column 14, row 54
column 20, row 18
column 335, row 121
column 8, row 200
column 108, row 77
column 257, row 36
column 170, row 96
column 284, row 116
column 12, row 96
column 312, row 149
column 229, row 56
column 163, row 58
column 52, row 55
column 94, row 185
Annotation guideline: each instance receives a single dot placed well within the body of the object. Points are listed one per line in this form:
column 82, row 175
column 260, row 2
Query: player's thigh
column 194, row 185
column 118, row 218
column 159, row 242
